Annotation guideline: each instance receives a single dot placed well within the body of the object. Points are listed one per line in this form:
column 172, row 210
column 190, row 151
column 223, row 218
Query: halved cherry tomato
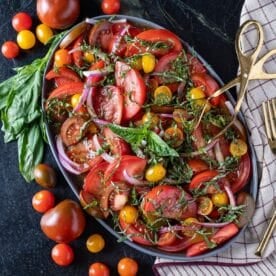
column 173, row 201
column 150, row 119
column 101, row 34
column 66, row 90
column 138, row 232
column 62, row 254
column 209, row 85
column 62, row 58
column 166, row 239
column 129, row 214
column 199, row 180
column 94, row 181
column 222, row 235
column 72, row 130
column 205, row 205
column 127, row 267
column 63, row 72
column 238, row 147
column 240, row 177
column 174, row 136
column 197, row 165
column 108, row 103
column 99, row 269
column 117, row 145
column 133, row 165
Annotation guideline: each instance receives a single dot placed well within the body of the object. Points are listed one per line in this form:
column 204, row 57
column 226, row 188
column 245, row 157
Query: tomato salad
column 124, row 106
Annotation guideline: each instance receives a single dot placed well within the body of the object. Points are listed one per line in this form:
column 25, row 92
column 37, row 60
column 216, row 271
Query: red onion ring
column 108, row 158
column 101, row 122
column 165, row 115
column 218, row 153
column 213, row 224
column 119, row 38
column 134, row 181
column 231, row 196
column 175, row 228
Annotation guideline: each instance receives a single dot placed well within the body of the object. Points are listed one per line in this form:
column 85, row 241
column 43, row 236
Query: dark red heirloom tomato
column 63, row 223
column 58, row 14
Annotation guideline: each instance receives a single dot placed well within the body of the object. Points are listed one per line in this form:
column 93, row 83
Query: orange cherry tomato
column 62, row 57
column 43, row 201
column 62, row 254
column 127, row 267
column 98, row 269
column 10, row 49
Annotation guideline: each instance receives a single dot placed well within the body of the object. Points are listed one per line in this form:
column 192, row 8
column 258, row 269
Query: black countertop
column 208, row 26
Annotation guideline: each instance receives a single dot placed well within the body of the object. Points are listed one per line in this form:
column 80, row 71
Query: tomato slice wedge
column 66, row 90
column 221, row 236
column 108, row 104
column 63, row 72
column 197, row 165
column 138, row 232
column 166, row 239
column 173, row 202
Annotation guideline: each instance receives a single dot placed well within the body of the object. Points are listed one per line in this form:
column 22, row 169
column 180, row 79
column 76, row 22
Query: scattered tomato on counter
column 22, row 21
column 110, row 6
column 10, row 49
column 25, row 39
column 62, row 254
column 127, row 267
column 43, row 201
column 45, row 176
column 99, row 269
column 95, row 243
column 43, row 33
column 63, row 223
column 58, row 14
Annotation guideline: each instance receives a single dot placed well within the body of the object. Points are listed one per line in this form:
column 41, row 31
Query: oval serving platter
column 75, row 182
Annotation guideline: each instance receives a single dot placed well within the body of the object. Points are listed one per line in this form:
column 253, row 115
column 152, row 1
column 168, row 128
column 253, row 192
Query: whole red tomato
column 98, row 269
column 10, row 49
column 62, row 254
column 22, row 21
column 63, row 223
column 58, row 14
column 110, row 6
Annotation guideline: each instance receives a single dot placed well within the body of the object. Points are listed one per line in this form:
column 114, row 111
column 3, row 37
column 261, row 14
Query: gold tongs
column 250, row 69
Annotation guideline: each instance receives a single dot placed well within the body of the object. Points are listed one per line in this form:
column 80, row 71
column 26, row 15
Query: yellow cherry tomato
column 25, row 39
column 174, row 136
column 75, row 99
column 89, row 57
column 155, row 173
column 190, row 222
column 43, row 33
column 220, row 199
column 95, row 243
column 148, row 62
column 129, row 214
column 238, row 147
column 205, row 205
column 199, row 98
column 162, row 95
column 62, row 57
column 150, row 119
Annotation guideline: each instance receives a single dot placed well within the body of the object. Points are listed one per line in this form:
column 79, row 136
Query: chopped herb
column 231, row 213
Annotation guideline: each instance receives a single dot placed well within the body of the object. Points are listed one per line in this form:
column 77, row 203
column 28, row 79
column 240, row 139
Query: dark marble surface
column 208, row 26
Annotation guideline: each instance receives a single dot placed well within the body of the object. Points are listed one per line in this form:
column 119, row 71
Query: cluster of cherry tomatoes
column 62, row 253
column 22, row 23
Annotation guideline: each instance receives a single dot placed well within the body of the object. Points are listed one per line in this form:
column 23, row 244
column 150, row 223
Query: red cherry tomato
column 22, row 21
column 166, row 239
column 10, row 49
column 99, row 269
column 197, row 165
column 127, row 267
column 62, row 254
column 110, row 6
column 43, row 201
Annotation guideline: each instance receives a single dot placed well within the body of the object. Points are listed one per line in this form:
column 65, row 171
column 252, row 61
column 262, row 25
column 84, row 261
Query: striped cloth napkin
column 240, row 257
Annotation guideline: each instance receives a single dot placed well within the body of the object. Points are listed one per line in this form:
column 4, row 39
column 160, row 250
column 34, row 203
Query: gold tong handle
column 263, row 243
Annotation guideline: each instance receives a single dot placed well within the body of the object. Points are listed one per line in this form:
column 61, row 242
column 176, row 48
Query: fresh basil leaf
column 135, row 136
column 30, row 150
column 6, row 88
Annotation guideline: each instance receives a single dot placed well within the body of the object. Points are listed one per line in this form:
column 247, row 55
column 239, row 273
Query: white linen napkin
column 240, row 257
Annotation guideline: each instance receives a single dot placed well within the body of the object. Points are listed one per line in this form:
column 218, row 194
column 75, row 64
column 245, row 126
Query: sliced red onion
column 74, row 50
column 89, row 102
column 98, row 72
column 213, row 224
column 67, row 162
column 91, row 21
column 134, row 181
column 83, row 98
column 165, row 115
column 218, row 153
column 175, row 228
column 108, row 158
column 101, row 122
column 119, row 38
column 230, row 195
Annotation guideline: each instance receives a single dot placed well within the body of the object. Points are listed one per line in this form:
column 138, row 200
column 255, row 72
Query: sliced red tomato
column 100, row 34
column 118, row 146
column 138, row 232
column 240, row 177
column 132, row 30
column 195, row 65
column 63, row 72
column 94, row 182
column 174, row 202
column 134, row 166
column 71, row 130
column 166, row 239
column 117, row 45
column 208, row 84
column 197, row 165
column 156, row 35
column 78, row 54
column 199, row 180
column 66, row 90
column 108, row 103
column 221, row 236
column 121, row 69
